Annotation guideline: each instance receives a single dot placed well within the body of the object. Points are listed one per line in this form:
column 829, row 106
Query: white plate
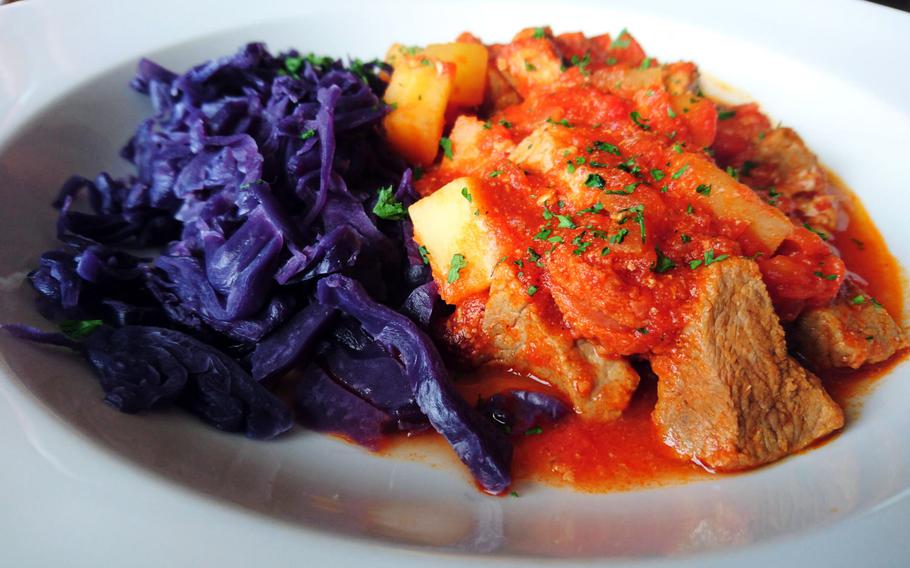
column 82, row 485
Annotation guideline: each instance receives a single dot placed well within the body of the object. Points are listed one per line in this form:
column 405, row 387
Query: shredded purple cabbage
column 255, row 178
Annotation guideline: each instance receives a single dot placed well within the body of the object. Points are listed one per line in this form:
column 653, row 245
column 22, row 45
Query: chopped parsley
column 689, row 209
column 387, row 207
column 561, row 122
column 424, row 254
column 638, row 120
column 458, row 262
column 726, row 114
column 630, row 166
column 605, row 251
column 543, row 234
column 711, row 259
column 639, row 218
column 532, row 290
column 446, row 146
column 595, row 181
column 663, row 263
column 566, row 222
column 860, row 299
column 747, row 168
column 495, row 173
column 627, row 190
column 619, row 237
column 619, row 42
column 505, row 123
column 487, row 125
column 685, row 238
column 824, row 236
column 733, row 172
column 607, row 147
column 307, row 134
column 678, row 174
column 677, row 148
column 657, row 174
column 773, row 196
column 582, row 63
column 596, row 208
column 703, row 189
column 821, row 274
column 534, row 431
column 466, row 194
column 642, row 330
column 78, row 329
column 539, row 33
column 645, row 63
column 670, row 112
column 530, row 66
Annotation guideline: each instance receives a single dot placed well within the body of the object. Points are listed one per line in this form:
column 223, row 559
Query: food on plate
column 556, row 252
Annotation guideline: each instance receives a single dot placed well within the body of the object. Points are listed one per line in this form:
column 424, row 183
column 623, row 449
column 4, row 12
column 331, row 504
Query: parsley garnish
column 595, row 181
column 703, row 189
column 678, row 174
column 543, row 234
column 820, row 274
column 446, row 146
column 607, row 147
column 657, row 174
column 307, row 134
column 733, row 173
column 530, row 66
column 540, row 33
column 596, row 208
column 532, row 290
column 748, row 166
column 824, row 236
column 561, row 122
column 495, row 173
column 424, row 254
column 629, row 189
column 619, row 42
column 677, row 148
column 582, row 63
column 639, row 211
column 645, row 63
column 663, row 263
column 458, row 262
column 78, row 329
column 637, row 119
column 670, row 112
column 726, row 114
column 566, row 222
column 642, row 330
column 619, row 237
column 487, row 125
column 387, row 207
column 685, row 238
column 466, row 194
column 505, row 123
column 533, row 431
column 860, row 299
column 630, row 166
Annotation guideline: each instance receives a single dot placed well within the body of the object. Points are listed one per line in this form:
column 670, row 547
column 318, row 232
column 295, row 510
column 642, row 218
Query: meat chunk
column 797, row 175
column 529, row 62
column 850, row 332
column 729, row 396
column 520, row 335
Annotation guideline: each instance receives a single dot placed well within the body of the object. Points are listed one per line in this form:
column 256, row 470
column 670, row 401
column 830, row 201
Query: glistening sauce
column 627, row 453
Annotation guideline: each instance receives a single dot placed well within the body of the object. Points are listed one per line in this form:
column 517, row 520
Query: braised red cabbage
column 256, row 178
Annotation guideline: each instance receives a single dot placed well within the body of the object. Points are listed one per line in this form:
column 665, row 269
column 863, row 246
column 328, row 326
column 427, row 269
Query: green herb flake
column 642, row 330
column 566, row 222
column 387, row 207
column 685, row 238
column 875, row 302
column 645, row 63
column 514, row 493
column 446, row 146
column 856, row 300
column 505, row 123
column 679, row 173
column 703, row 189
column 726, row 114
column 733, row 172
column 638, row 120
column 495, row 173
column 711, row 259
column 677, row 148
column 670, row 112
column 619, row 42
column 747, row 168
column 663, row 263
column 570, row 167
column 596, row 208
column 619, row 237
column 627, row 190
column 540, row 33
column 657, row 174
column 556, row 239
column 821, row 274
column 307, row 134
column 530, row 66
column 466, row 194
column 561, row 122
column 689, row 209
column 607, row 147
column 605, row 251
column 424, row 254
column 824, row 236
column 458, row 262
column 79, row 329
column 487, row 125
column 543, row 234
column 534, row 431
column 595, row 180
column 693, row 264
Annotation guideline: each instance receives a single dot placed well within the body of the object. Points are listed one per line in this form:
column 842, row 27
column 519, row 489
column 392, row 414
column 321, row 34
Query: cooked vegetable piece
column 418, row 92
column 470, row 60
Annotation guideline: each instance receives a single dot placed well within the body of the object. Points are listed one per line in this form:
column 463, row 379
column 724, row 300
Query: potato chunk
column 454, row 236
column 470, row 61
column 419, row 91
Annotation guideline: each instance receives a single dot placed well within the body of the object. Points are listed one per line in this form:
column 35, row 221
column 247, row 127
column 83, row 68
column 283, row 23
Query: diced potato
column 700, row 116
column 734, row 201
column 470, row 61
column 445, row 223
column 419, row 90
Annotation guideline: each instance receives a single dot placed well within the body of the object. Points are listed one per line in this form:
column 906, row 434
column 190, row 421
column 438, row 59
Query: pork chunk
column 729, row 395
column 520, row 336
column 850, row 332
